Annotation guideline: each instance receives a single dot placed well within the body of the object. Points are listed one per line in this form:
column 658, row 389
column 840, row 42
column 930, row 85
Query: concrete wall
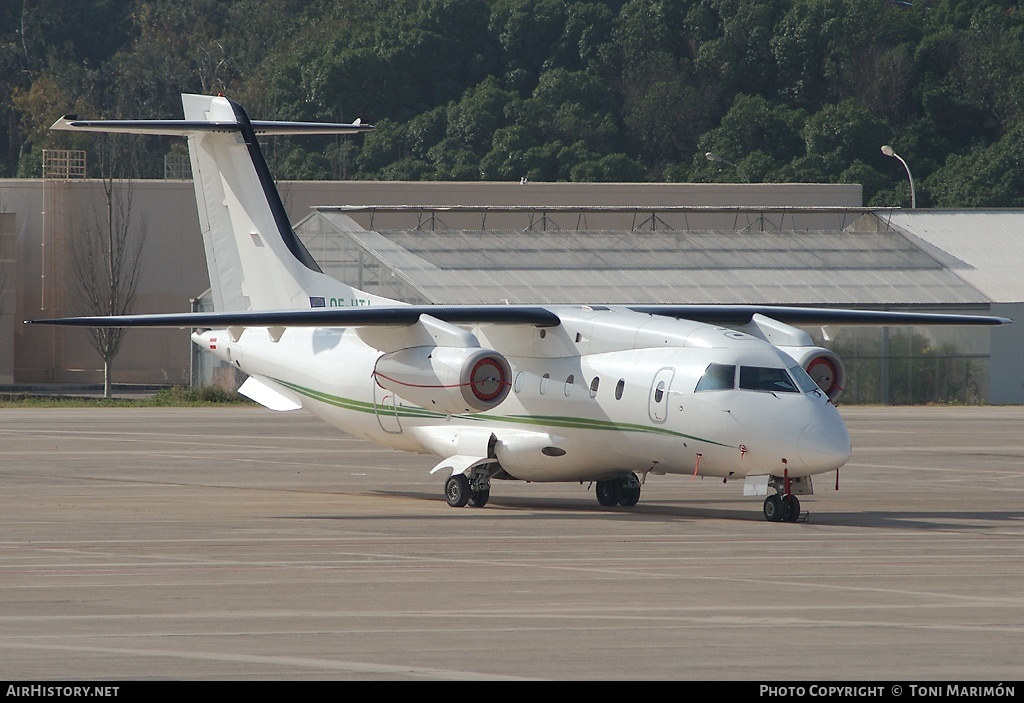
column 1007, row 356
column 173, row 268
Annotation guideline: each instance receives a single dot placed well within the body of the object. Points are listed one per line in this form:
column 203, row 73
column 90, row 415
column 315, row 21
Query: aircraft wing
column 398, row 316
column 731, row 315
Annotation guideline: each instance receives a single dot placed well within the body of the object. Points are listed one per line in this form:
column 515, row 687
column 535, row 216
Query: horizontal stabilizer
column 183, row 128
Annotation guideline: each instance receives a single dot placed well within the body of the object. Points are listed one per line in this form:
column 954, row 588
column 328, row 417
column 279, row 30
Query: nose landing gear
column 782, row 508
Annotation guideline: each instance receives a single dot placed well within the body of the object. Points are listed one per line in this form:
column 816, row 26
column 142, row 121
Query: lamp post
column 712, row 156
column 889, row 151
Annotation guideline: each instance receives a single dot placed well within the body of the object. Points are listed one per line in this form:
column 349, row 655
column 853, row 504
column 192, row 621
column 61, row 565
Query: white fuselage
column 605, row 393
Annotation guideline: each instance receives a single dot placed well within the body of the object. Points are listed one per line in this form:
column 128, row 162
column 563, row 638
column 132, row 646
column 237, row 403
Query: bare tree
column 5, row 255
column 105, row 254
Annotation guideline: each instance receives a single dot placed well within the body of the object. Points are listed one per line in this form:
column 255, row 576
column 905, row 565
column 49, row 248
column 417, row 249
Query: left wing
column 324, row 317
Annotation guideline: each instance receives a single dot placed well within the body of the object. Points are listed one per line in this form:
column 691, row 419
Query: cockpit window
column 759, row 378
column 717, row 377
column 803, row 380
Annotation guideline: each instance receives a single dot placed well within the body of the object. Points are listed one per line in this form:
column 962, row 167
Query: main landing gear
column 623, row 491
column 459, row 491
column 781, row 508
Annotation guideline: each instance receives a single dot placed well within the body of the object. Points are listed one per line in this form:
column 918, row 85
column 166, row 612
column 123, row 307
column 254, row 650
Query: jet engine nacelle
column 823, row 366
column 449, row 379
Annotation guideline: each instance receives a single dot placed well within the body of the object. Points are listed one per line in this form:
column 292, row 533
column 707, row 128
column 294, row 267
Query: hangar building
column 800, row 244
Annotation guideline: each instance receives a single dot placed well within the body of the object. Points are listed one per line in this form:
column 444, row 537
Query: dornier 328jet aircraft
column 584, row 393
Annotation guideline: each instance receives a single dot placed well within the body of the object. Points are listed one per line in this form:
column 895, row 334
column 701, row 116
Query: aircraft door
column 658, row 406
column 386, row 409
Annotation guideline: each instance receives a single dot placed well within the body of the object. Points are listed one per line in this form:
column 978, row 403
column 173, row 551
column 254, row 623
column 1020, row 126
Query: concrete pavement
column 236, row 543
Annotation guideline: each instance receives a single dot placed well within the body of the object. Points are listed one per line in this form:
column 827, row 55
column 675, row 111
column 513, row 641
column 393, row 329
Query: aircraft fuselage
column 606, row 393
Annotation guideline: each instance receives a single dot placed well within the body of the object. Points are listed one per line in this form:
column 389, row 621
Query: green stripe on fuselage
column 418, row 413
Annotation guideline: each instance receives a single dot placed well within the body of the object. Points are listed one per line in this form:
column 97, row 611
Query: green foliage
column 842, row 133
column 472, row 121
column 195, row 395
column 30, row 400
column 788, row 90
column 176, row 396
column 987, row 176
column 755, row 135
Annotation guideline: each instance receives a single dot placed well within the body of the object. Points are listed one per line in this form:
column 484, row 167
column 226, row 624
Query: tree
column 105, row 255
column 473, row 121
column 6, row 240
column 735, row 40
column 755, row 135
column 788, row 91
column 989, row 176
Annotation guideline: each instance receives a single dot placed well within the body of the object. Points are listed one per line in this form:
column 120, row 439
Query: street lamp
column 712, row 156
column 889, row 151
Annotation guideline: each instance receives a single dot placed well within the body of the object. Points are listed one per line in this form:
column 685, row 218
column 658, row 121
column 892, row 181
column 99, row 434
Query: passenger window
column 593, row 386
column 569, row 382
column 717, row 377
column 659, row 392
column 544, row 383
column 518, row 384
column 619, row 387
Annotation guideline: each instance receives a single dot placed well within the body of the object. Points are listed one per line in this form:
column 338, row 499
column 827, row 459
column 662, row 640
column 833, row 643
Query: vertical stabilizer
column 256, row 261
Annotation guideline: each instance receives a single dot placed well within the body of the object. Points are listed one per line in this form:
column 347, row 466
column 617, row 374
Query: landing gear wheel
column 478, row 499
column 773, row 508
column 456, row 490
column 790, row 508
column 609, row 492
column 629, row 491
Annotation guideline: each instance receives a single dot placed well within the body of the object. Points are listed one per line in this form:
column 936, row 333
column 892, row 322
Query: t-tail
column 255, row 259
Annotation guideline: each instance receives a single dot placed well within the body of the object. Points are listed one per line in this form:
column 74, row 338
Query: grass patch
column 196, row 395
column 175, row 396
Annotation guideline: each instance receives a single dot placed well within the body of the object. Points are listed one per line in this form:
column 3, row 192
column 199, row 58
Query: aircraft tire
column 773, row 508
column 629, row 491
column 790, row 508
column 456, row 490
column 608, row 492
column 478, row 499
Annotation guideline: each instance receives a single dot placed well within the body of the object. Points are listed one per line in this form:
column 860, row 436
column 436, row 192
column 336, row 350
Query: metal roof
column 878, row 268
column 984, row 248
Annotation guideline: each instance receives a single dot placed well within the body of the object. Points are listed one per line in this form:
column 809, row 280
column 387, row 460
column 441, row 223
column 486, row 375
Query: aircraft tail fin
column 255, row 259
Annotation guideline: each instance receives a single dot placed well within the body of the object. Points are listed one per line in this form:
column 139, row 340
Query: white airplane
column 602, row 394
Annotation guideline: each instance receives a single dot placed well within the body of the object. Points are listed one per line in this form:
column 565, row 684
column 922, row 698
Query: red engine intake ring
column 485, row 373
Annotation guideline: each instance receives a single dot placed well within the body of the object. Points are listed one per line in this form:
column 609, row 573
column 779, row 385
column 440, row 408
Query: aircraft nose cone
column 825, row 446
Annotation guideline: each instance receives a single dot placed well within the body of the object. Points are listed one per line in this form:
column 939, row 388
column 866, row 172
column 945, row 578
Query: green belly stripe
column 418, row 413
